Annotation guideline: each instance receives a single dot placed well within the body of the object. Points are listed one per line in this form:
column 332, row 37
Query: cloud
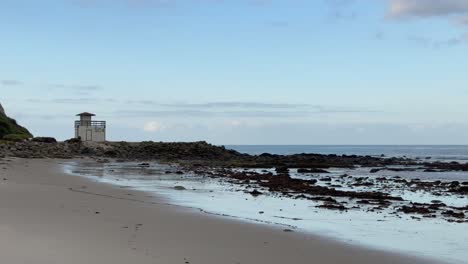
column 150, row 108
column 142, row 102
column 84, row 100
column 432, row 43
column 185, row 106
column 235, row 123
column 10, row 82
column 379, row 35
column 194, row 106
column 213, row 105
column 249, row 113
column 153, row 126
column 341, row 9
column 451, row 10
column 158, row 3
column 452, row 41
column 463, row 21
column 258, row 105
column 82, row 88
column 426, row 8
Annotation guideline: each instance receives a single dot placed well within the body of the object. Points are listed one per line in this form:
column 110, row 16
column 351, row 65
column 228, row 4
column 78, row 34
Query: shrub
column 9, row 126
column 15, row 137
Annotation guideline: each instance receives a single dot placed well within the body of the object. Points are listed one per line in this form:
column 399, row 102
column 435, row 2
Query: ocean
column 436, row 152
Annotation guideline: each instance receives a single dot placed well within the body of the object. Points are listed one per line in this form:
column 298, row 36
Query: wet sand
column 49, row 217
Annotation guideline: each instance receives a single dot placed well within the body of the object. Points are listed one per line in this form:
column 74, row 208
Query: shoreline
column 223, row 197
column 47, row 210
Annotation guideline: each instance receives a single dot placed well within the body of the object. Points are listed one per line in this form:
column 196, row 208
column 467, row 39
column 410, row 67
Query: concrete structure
column 88, row 130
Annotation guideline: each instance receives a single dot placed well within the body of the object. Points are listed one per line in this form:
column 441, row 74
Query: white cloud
column 153, row 126
column 463, row 21
column 10, row 82
column 451, row 10
column 427, row 8
column 235, row 123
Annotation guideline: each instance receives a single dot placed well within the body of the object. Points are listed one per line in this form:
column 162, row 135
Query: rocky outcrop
column 50, row 140
column 196, row 153
column 9, row 128
column 49, row 148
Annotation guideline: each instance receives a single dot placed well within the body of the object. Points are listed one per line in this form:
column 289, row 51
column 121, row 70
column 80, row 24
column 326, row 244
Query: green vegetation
column 10, row 130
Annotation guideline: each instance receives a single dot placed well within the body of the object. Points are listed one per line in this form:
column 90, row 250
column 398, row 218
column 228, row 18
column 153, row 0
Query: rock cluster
column 274, row 174
column 32, row 149
column 197, row 152
column 50, row 148
column 444, row 166
column 346, row 192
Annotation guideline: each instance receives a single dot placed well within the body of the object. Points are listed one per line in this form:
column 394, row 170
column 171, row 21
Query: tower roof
column 85, row 114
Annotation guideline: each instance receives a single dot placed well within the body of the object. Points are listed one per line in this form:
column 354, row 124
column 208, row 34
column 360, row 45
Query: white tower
column 88, row 130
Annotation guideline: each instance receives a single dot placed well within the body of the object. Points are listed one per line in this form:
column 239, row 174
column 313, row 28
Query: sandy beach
column 50, row 217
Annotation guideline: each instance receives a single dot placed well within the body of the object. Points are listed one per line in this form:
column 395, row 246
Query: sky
column 240, row 72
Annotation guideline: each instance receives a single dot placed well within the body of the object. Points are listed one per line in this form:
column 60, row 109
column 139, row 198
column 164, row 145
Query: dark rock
column 436, row 206
column 363, row 184
column 363, row 202
column 313, row 181
column 460, row 190
column 49, row 140
column 326, row 179
column 415, row 209
column 314, row 170
column 282, row 170
column 87, row 151
column 285, row 184
column 111, row 153
column 255, row 193
column 333, row 207
column 73, row 141
column 324, row 199
column 400, row 169
column 451, row 213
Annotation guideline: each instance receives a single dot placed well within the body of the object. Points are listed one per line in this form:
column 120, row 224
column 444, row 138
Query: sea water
column 435, row 152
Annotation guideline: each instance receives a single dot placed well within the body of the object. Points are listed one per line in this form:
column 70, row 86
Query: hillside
column 9, row 128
